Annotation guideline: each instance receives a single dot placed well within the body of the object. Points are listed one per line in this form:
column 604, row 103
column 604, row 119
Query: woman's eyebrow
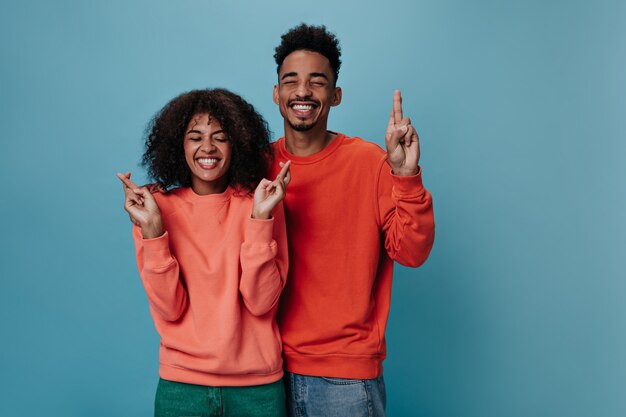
column 213, row 133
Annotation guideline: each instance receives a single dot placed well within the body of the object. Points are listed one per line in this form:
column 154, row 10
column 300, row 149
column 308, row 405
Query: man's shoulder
column 361, row 143
column 358, row 146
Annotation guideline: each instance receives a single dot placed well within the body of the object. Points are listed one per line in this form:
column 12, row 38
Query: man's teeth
column 302, row 106
column 207, row 161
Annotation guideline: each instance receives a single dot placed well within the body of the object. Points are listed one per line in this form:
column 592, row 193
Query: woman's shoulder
column 169, row 200
column 241, row 197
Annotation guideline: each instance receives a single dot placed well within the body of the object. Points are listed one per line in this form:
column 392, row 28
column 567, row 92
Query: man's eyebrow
column 313, row 74
column 319, row 74
column 288, row 74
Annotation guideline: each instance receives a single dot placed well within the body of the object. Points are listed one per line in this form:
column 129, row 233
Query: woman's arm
column 158, row 269
column 160, row 274
column 264, row 262
column 264, row 256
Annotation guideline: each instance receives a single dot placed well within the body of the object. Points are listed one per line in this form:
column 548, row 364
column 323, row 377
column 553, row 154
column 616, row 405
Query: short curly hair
column 245, row 128
column 310, row 38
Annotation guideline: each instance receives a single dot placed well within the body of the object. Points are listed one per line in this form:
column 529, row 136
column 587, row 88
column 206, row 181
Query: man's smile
column 303, row 108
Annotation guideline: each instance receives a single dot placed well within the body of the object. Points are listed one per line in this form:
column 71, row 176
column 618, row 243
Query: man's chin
column 302, row 127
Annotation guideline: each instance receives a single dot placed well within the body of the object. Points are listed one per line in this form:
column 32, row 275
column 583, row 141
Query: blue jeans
column 312, row 396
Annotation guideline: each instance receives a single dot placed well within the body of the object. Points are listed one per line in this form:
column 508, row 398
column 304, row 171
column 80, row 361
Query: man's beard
column 302, row 127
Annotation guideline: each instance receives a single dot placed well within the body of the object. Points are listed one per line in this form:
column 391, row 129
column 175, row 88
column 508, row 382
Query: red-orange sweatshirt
column 348, row 218
column 213, row 281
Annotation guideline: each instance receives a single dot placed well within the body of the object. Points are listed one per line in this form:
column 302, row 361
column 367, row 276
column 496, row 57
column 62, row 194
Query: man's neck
column 307, row 143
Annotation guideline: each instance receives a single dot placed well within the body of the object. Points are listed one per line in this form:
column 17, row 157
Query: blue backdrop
column 520, row 108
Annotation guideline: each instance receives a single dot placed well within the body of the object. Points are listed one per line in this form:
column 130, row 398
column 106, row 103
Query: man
column 351, row 210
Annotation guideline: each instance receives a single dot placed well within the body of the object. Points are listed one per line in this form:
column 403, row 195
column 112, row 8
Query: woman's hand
column 142, row 208
column 269, row 193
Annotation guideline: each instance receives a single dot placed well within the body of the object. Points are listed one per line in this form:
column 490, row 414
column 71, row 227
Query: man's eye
column 318, row 83
column 288, row 82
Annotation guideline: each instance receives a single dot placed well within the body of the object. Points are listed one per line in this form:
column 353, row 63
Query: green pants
column 175, row 399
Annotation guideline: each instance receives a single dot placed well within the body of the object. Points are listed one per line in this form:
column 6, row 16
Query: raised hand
column 142, row 208
column 403, row 147
column 269, row 193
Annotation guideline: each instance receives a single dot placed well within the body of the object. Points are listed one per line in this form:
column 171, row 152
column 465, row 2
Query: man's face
column 305, row 91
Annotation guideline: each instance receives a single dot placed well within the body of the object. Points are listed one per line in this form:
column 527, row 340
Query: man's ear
column 275, row 94
column 336, row 97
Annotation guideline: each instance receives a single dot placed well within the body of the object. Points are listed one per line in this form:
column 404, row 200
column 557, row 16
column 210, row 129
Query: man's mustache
column 303, row 100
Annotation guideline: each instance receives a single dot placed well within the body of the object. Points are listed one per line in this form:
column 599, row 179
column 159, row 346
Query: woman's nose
column 208, row 145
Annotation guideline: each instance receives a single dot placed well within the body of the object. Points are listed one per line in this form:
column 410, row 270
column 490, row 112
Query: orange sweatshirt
column 348, row 218
column 213, row 281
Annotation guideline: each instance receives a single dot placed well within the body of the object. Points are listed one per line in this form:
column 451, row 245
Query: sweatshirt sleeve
column 405, row 215
column 160, row 275
column 264, row 262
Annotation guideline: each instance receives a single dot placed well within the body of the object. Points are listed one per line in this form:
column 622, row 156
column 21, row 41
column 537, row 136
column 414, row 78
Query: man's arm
column 406, row 216
column 405, row 206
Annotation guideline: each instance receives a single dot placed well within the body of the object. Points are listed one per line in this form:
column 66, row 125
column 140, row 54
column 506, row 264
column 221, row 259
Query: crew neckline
column 189, row 194
column 316, row 157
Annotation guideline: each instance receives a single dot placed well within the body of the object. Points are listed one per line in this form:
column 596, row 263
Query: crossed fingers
column 131, row 197
column 129, row 188
column 284, row 175
column 399, row 127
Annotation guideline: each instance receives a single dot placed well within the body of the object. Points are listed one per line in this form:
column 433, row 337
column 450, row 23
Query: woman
column 212, row 256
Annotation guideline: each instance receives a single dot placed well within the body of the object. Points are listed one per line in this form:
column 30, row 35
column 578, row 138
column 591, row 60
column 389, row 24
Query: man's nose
column 303, row 90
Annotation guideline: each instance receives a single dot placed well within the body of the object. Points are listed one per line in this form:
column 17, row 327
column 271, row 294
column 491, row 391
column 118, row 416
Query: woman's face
column 207, row 152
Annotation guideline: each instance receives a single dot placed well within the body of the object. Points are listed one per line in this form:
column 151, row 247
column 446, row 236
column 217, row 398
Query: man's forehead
column 305, row 61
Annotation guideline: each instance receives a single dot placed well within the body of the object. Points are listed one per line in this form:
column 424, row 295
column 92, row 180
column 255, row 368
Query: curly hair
column 246, row 130
column 310, row 38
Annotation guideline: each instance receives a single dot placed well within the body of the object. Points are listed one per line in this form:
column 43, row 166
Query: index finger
column 287, row 178
column 127, row 182
column 397, row 106
column 284, row 170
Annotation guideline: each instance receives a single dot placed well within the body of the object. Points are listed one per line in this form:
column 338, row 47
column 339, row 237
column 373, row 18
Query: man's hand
column 403, row 147
column 142, row 208
column 269, row 193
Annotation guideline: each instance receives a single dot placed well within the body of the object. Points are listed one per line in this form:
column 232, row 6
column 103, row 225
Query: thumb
column 396, row 136
column 262, row 185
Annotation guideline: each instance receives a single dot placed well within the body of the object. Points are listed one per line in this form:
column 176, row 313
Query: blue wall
column 521, row 111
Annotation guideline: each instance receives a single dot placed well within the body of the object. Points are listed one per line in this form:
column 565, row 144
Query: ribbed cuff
column 259, row 230
column 408, row 185
column 156, row 252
